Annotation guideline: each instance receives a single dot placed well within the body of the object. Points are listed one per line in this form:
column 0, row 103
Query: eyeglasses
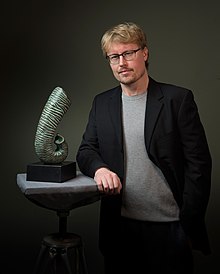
column 127, row 55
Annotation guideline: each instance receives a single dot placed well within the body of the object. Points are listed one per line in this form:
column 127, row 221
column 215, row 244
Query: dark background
column 52, row 43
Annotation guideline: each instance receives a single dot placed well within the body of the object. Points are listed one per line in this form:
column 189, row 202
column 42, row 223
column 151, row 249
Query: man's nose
column 121, row 60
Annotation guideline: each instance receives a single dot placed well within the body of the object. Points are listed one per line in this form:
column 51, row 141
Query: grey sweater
column 146, row 193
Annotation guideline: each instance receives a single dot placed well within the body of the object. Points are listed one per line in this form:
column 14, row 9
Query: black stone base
column 56, row 173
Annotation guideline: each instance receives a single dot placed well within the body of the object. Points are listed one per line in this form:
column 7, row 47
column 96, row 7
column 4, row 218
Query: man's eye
column 114, row 57
column 128, row 54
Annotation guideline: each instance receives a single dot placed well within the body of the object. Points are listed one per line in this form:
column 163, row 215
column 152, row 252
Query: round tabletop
column 76, row 192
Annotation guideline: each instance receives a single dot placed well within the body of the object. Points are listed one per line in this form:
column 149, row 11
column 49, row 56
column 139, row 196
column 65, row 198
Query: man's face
column 128, row 72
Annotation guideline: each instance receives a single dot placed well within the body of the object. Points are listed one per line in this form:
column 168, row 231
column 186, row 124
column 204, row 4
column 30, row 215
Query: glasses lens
column 114, row 59
column 129, row 55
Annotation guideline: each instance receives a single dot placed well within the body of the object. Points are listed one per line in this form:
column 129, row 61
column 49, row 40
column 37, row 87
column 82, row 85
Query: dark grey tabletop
column 79, row 191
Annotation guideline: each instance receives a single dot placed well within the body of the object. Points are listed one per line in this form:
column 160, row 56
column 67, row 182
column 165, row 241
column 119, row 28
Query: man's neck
column 136, row 88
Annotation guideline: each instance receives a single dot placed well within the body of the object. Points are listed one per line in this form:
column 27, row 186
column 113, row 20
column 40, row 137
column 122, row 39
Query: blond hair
column 126, row 33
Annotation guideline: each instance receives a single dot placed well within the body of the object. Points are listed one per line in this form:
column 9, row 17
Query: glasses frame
column 123, row 54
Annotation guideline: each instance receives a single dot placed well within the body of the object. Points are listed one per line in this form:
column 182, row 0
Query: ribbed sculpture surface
column 51, row 148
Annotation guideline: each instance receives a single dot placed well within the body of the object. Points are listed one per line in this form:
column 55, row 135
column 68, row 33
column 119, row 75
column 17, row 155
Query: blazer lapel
column 115, row 105
column 153, row 108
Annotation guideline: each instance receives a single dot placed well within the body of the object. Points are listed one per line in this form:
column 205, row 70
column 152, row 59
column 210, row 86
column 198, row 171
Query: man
column 145, row 146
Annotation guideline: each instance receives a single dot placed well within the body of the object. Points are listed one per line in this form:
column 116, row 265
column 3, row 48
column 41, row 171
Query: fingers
column 107, row 181
column 117, row 186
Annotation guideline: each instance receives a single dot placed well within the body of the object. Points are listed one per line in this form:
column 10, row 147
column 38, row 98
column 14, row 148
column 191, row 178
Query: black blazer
column 175, row 141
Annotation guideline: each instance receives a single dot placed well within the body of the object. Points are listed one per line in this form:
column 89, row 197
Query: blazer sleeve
column 88, row 155
column 197, row 165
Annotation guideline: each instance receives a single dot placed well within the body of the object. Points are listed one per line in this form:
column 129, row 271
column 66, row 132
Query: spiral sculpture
column 51, row 148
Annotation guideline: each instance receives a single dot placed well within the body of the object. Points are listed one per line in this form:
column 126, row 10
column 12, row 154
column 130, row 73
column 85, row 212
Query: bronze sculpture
column 54, row 109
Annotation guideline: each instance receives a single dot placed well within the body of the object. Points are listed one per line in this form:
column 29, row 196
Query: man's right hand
column 107, row 181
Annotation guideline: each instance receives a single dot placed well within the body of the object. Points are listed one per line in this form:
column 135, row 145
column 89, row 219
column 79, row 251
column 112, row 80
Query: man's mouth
column 124, row 71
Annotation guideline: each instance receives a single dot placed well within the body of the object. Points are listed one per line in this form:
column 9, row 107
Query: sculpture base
column 56, row 173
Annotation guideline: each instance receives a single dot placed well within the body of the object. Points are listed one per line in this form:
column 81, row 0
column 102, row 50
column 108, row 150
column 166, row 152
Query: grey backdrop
column 52, row 43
